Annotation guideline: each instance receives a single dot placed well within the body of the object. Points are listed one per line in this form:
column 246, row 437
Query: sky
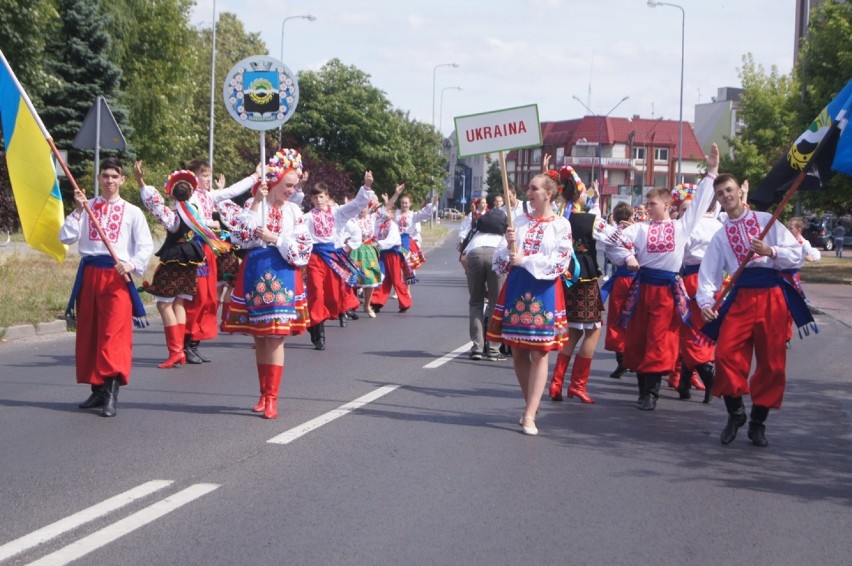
column 516, row 53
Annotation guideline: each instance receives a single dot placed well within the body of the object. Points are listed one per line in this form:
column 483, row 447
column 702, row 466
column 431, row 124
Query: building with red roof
column 636, row 153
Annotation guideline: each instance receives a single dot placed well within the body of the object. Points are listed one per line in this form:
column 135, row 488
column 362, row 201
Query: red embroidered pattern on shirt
column 534, row 236
column 323, row 222
column 110, row 217
column 661, row 237
column 273, row 220
column 740, row 233
column 205, row 203
column 403, row 221
column 366, row 227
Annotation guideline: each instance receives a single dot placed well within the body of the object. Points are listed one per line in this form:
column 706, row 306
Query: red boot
column 263, row 378
column 174, row 342
column 674, row 377
column 273, row 383
column 579, row 379
column 562, row 362
column 696, row 382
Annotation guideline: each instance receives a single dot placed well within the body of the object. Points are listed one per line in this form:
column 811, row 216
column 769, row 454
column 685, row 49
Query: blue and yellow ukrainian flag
column 31, row 168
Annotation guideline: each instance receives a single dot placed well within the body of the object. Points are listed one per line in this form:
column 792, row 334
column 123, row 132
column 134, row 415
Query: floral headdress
column 178, row 176
column 284, row 161
column 682, row 193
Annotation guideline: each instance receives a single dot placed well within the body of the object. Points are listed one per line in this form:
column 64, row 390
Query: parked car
column 820, row 231
column 452, row 214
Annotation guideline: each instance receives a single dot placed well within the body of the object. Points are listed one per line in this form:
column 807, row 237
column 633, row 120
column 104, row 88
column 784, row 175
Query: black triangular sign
column 111, row 136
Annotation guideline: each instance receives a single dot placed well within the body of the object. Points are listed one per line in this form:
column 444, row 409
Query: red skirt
column 202, row 311
column 614, row 339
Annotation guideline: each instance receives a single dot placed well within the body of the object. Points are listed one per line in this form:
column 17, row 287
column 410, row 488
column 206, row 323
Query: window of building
column 638, row 153
column 536, row 156
column 661, row 154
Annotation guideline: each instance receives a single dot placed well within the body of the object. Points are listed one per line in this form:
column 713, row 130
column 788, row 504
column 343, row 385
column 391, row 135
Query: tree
column 494, row 179
column 343, row 119
column 25, row 26
column 77, row 56
column 825, row 67
column 768, row 110
column 236, row 148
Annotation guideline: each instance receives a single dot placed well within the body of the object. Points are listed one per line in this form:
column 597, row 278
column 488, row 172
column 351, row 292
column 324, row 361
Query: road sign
column 99, row 129
column 501, row 130
column 261, row 93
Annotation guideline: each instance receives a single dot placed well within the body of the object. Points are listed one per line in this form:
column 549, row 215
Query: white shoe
column 528, row 426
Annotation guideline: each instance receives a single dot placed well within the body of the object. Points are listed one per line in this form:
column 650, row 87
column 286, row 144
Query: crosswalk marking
column 303, row 429
column 71, row 522
column 116, row 530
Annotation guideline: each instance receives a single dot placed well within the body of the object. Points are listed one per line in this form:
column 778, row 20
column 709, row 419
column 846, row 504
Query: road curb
column 22, row 331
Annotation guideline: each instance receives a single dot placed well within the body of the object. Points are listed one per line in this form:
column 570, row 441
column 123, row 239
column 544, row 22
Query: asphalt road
column 432, row 470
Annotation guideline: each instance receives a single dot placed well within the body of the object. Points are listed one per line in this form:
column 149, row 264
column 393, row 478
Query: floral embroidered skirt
column 366, row 257
column 269, row 297
column 530, row 313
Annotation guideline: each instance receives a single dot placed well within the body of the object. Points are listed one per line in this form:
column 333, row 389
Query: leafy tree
column 494, row 179
column 826, row 66
column 342, row 118
column 236, row 148
column 25, row 26
column 78, row 56
column 767, row 107
column 158, row 47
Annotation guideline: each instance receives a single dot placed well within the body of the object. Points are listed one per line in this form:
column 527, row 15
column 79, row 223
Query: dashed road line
column 449, row 357
column 313, row 424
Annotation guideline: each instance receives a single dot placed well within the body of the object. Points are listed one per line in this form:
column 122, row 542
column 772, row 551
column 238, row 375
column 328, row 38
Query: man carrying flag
column 102, row 299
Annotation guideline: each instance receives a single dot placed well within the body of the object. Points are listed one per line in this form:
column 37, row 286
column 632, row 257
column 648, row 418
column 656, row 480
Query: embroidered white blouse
column 546, row 245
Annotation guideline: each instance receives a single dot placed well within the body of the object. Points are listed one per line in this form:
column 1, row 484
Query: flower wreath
column 284, row 161
column 682, row 193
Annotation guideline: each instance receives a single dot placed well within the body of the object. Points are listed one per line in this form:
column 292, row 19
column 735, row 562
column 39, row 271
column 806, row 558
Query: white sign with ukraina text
column 500, row 130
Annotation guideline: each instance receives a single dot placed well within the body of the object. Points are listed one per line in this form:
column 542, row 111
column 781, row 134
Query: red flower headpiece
column 177, row 176
column 566, row 175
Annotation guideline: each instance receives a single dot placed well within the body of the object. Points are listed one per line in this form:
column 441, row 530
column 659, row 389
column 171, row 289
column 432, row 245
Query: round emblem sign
column 261, row 93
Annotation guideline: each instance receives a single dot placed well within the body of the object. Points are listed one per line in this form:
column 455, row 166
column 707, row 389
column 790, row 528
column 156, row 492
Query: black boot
column 352, row 315
column 756, row 428
column 191, row 355
column 620, row 369
column 193, row 345
column 318, row 336
column 642, row 382
column 343, row 322
column 707, row 373
column 110, row 397
column 96, row 399
column 652, row 391
column 683, row 389
column 736, row 418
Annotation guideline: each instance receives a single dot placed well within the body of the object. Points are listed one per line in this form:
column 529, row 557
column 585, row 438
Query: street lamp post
column 441, row 105
column 600, row 133
column 212, row 85
column 654, row 4
column 434, row 71
column 310, row 18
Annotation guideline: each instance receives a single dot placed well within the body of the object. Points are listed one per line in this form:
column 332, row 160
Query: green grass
column 829, row 270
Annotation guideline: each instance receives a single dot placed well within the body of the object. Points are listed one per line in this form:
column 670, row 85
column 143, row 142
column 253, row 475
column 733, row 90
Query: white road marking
column 313, row 424
column 71, row 522
column 96, row 540
column 449, row 357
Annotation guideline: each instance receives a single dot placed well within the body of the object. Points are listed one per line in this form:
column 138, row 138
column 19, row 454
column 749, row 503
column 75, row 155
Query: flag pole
column 800, row 178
